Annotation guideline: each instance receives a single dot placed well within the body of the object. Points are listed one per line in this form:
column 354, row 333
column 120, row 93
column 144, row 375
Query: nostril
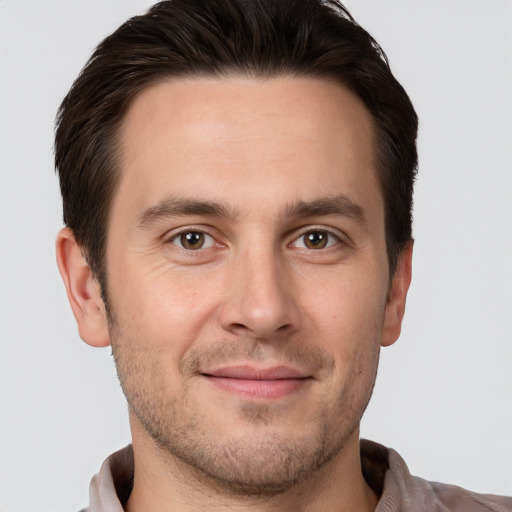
column 239, row 328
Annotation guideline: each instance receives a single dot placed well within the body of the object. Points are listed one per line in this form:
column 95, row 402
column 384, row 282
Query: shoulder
column 387, row 473
column 419, row 495
column 456, row 499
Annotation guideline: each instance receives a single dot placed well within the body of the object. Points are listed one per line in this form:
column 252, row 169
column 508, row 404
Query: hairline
column 115, row 129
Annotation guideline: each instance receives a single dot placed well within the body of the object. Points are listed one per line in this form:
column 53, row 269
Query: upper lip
column 253, row 373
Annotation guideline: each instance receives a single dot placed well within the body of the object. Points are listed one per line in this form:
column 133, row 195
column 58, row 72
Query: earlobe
column 83, row 291
column 395, row 307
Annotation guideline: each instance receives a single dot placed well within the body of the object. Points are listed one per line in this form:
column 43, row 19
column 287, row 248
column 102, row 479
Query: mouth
column 262, row 383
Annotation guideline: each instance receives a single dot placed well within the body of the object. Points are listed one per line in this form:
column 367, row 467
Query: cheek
column 348, row 309
column 162, row 310
column 346, row 319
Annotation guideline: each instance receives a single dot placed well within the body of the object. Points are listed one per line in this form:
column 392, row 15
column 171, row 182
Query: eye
column 316, row 239
column 193, row 240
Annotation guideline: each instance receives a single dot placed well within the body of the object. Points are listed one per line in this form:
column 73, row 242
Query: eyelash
column 210, row 241
column 331, row 239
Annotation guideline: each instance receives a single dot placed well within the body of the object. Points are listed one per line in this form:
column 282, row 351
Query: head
column 301, row 38
column 237, row 179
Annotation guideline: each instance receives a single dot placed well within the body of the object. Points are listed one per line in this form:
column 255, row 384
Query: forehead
column 245, row 139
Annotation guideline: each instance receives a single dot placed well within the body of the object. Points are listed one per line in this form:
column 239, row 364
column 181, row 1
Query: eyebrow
column 173, row 207
column 339, row 205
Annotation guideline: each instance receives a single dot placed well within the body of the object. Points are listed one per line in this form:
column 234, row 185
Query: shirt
column 384, row 470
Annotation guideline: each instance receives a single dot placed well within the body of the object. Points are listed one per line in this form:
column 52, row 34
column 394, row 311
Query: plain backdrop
column 443, row 397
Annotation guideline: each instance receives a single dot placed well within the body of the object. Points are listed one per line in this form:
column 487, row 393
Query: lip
column 262, row 383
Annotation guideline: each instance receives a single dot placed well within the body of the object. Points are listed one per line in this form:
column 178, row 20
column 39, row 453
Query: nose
column 259, row 299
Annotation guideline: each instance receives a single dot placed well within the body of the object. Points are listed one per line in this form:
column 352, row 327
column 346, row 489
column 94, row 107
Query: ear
column 395, row 306
column 83, row 289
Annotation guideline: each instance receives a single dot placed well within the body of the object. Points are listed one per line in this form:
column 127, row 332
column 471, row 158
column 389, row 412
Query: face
column 247, row 274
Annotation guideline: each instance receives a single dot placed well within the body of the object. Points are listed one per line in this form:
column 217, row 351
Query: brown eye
column 316, row 239
column 193, row 240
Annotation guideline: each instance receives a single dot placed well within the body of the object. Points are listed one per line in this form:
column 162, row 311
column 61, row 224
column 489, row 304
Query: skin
column 247, row 361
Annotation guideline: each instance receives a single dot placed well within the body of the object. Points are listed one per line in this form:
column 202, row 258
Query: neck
column 164, row 483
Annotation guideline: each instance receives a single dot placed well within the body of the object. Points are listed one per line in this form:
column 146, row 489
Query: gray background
column 443, row 396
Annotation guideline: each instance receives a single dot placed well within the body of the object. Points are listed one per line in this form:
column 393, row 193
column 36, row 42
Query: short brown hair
column 178, row 38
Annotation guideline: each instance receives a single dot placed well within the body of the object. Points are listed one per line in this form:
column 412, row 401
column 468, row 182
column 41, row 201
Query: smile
column 256, row 383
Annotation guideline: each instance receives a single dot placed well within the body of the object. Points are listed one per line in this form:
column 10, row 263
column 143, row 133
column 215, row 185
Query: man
column 237, row 183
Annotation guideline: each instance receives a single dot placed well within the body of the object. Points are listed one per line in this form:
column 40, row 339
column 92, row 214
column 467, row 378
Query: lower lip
column 265, row 389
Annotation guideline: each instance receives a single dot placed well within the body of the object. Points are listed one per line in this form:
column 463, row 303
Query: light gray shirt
column 384, row 470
